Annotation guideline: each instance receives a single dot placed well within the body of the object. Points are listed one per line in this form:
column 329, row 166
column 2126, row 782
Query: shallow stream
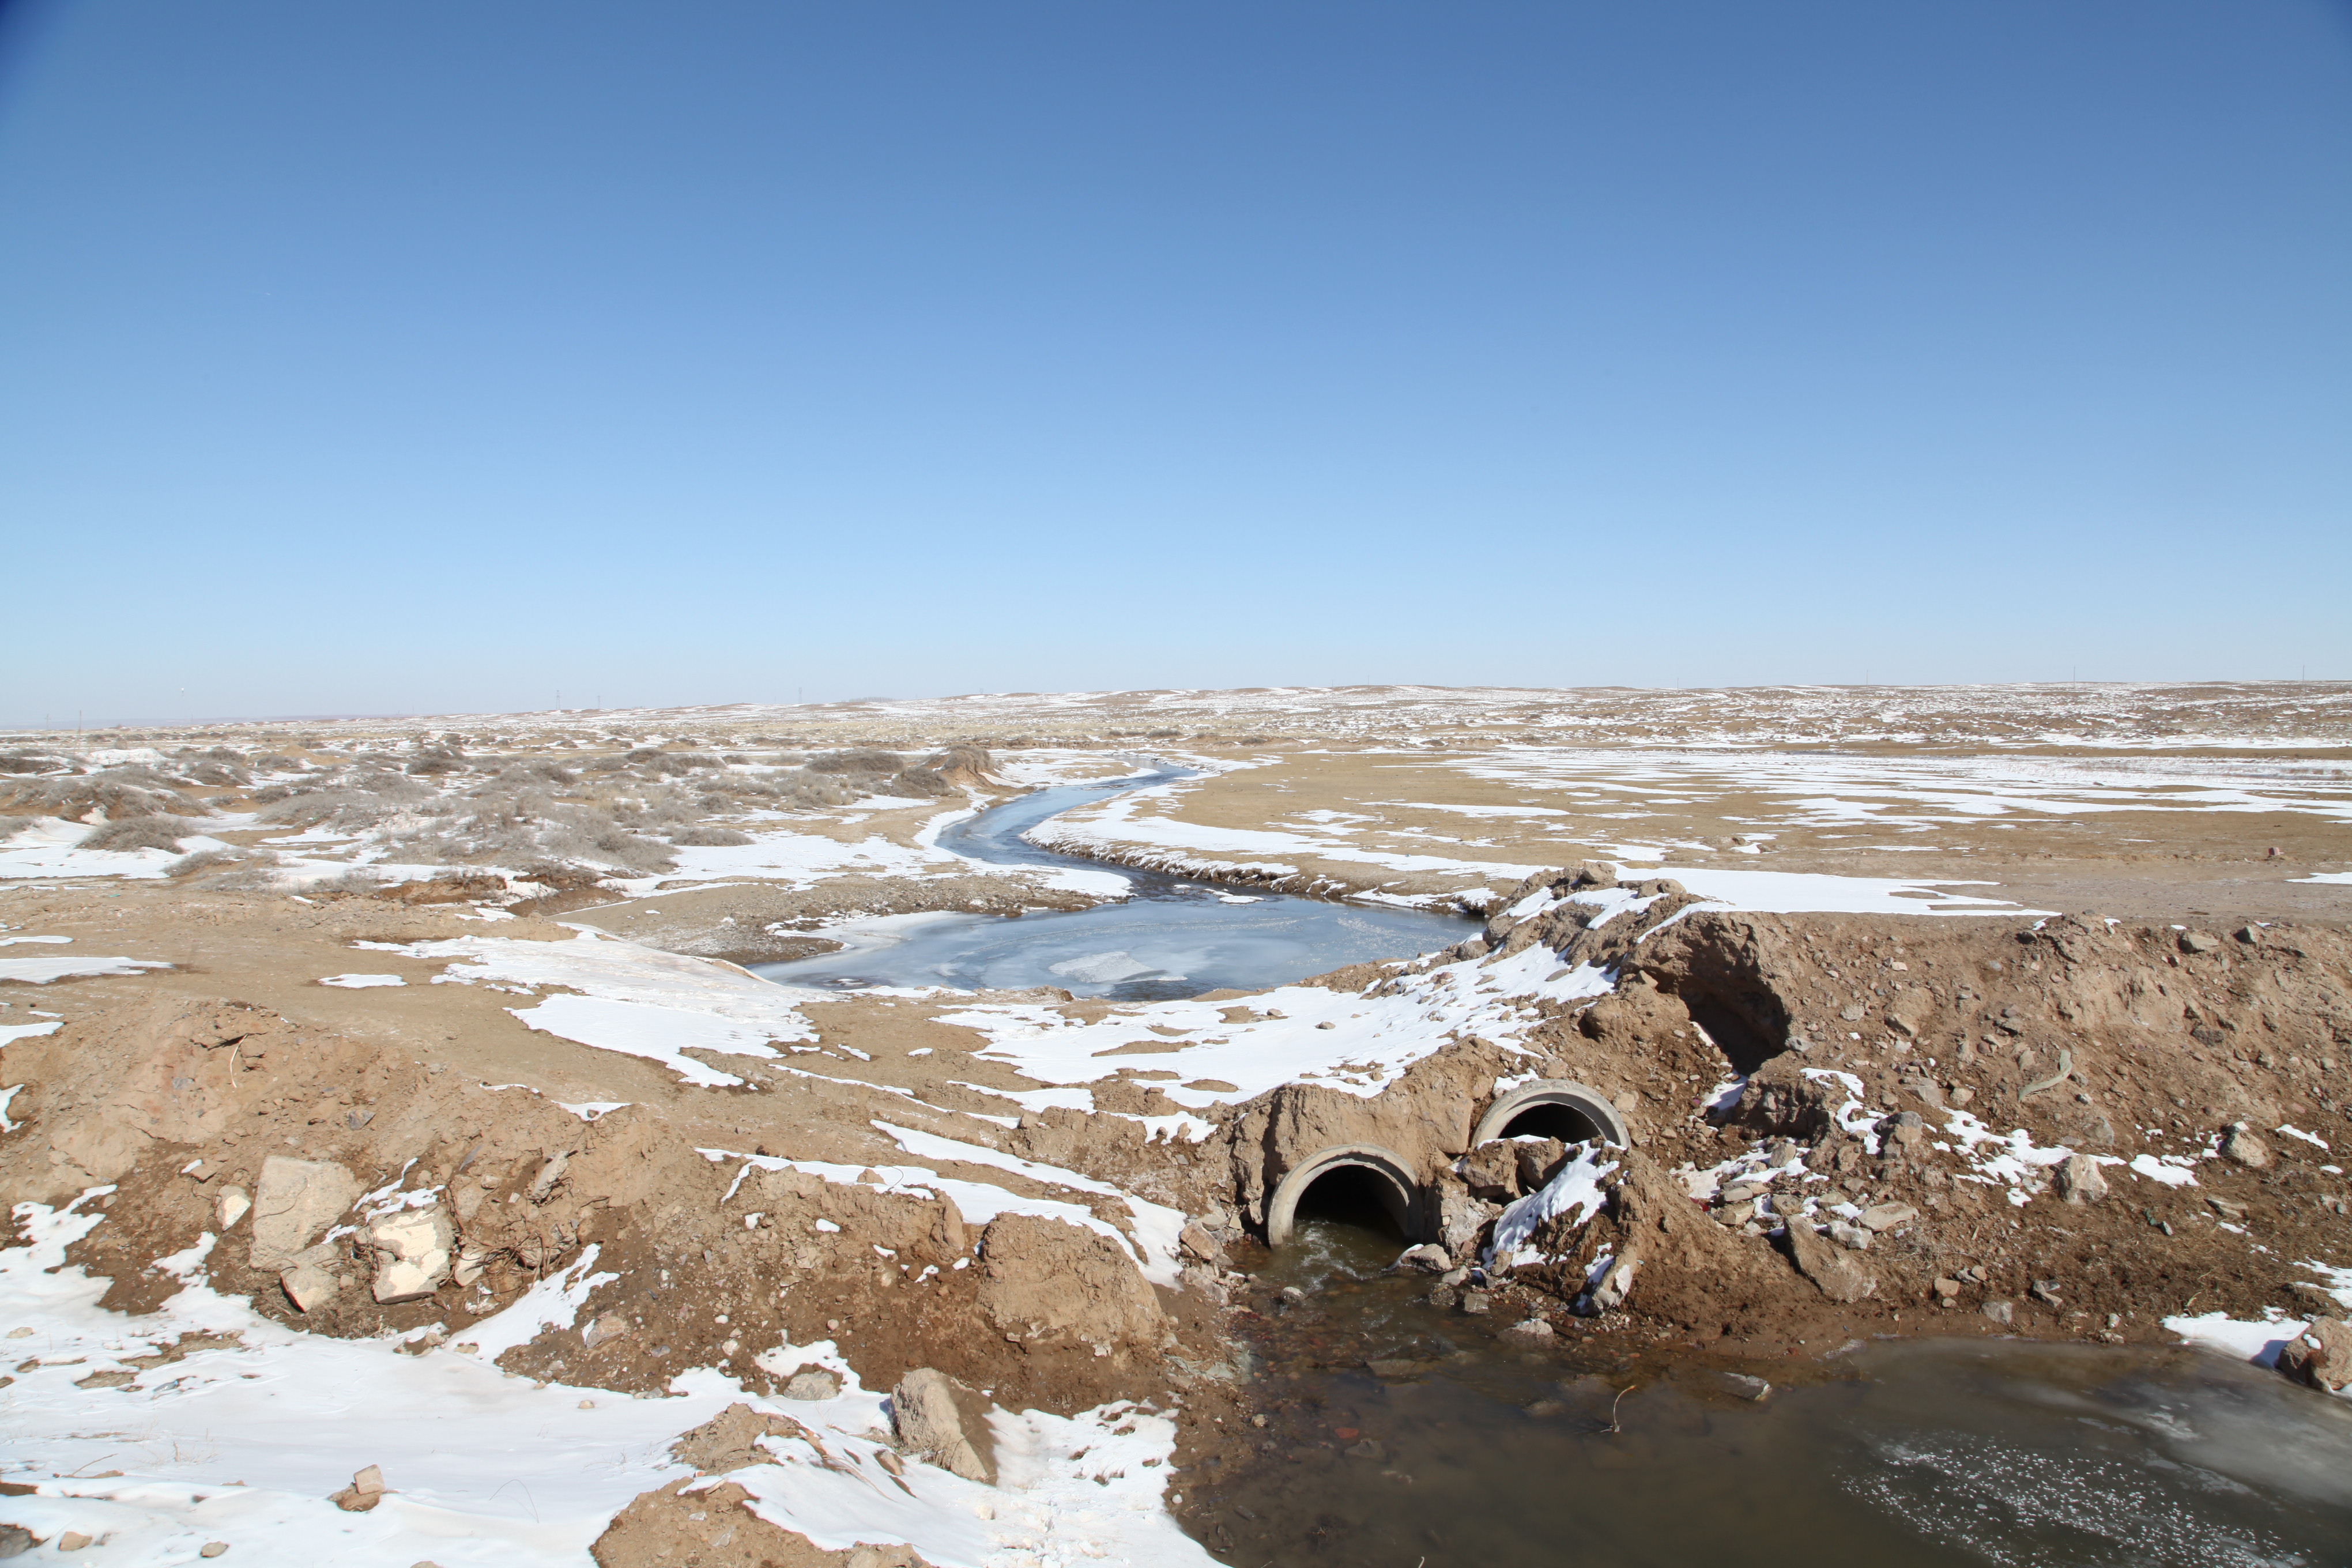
column 1461, row 1452
column 1169, row 938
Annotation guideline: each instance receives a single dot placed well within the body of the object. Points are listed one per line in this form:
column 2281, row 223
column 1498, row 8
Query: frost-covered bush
column 219, row 860
column 918, row 783
column 856, row 762
column 343, row 810
column 31, row 763
column 139, row 833
column 120, row 793
column 708, row 837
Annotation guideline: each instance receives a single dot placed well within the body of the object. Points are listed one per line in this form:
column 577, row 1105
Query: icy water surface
column 1918, row 1452
column 1171, row 938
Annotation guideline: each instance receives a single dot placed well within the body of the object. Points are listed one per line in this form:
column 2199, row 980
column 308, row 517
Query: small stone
column 930, row 1422
column 2251, row 935
column 1886, row 1217
column 1429, row 1257
column 1529, row 1331
column 812, row 1386
column 606, row 1329
column 1491, row 1171
column 2002, row 1313
column 366, row 1490
column 1850, row 1236
column 1608, row 1293
column 2046, row 1292
column 1747, row 1387
column 2227, row 1209
column 234, row 1206
column 16, row 1540
column 1947, row 1290
column 311, row 1282
column 1477, row 1302
column 2079, row 1180
column 414, row 1252
column 2198, row 942
column 72, row 1540
column 212, row 1549
column 2242, row 1146
column 1198, row 1243
column 2321, row 1355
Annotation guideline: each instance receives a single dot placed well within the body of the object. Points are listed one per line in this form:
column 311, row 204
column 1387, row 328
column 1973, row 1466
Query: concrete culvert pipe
column 1554, row 1108
column 1358, row 1176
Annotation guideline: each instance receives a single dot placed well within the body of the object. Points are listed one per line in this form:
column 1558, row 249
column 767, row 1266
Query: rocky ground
column 454, row 1065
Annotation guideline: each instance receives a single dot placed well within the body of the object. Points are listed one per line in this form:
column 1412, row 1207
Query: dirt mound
column 714, row 1527
column 181, row 1104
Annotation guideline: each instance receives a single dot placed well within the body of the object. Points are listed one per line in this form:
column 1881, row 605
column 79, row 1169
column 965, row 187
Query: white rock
column 295, row 1201
column 412, row 1250
column 234, row 1206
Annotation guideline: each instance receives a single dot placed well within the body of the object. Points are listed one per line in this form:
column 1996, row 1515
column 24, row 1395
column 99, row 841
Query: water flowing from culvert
column 1170, row 937
column 1459, row 1453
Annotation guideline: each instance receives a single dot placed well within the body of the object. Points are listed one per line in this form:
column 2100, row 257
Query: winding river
column 1461, row 1454
column 1170, row 937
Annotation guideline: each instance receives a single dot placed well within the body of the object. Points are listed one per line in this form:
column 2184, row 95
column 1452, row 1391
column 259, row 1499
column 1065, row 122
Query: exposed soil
column 2117, row 1040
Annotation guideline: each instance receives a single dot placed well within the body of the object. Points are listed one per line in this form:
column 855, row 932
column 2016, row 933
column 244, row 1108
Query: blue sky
column 435, row 357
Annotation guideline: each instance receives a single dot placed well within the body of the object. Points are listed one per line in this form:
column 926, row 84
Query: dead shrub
column 918, row 783
column 119, row 796
column 138, row 833
column 708, row 837
column 220, row 859
column 856, row 762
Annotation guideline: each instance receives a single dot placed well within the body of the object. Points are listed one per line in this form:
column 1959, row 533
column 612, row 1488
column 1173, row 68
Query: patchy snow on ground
column 51, row 846
column 243, row 1440
column 1815, row 892
column 1156, row 1225
column 41, row 971
column 360, row 981
column 635, row 1000
column 2258, row 1341
column 1345, row 1040
column 1148, row 1238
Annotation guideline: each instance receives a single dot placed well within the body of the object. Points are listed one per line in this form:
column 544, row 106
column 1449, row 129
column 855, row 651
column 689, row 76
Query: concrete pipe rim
column 1580, row 1098
column 1281, row 1209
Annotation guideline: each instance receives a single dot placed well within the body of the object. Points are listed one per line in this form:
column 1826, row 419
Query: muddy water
column 1462, row 1452
column 1169, row 938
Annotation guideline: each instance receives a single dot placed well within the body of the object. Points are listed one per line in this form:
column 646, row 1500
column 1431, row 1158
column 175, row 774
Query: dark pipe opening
column 1560, row 1121
column 1742, row 1027
column 1350, row 1194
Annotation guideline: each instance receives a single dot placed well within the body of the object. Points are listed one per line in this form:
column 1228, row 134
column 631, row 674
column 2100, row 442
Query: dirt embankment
column 2116, row 1156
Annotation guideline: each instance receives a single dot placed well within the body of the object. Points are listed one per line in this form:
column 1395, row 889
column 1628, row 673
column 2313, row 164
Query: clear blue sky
column 441, row 357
